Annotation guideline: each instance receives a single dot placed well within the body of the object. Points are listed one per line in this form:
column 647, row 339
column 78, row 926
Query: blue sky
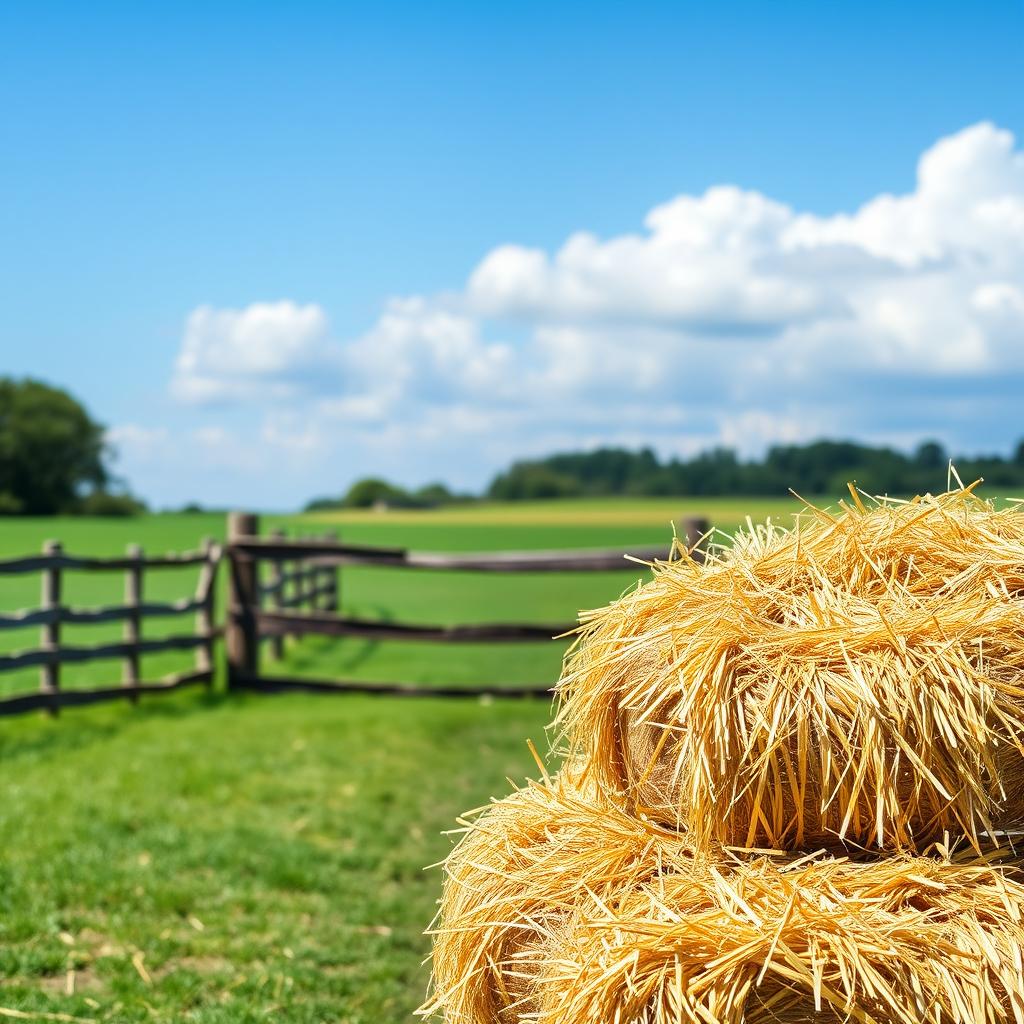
column 264, row 242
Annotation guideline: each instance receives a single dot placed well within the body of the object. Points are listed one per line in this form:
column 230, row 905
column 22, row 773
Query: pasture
column 215, row 857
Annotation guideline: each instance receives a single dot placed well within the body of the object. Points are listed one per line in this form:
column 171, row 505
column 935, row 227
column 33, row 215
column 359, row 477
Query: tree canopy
column 371, row 492
column 53, row 458
column 819, row 468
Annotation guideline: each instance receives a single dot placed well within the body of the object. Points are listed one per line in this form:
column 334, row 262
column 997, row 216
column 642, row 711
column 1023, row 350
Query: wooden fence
column 299, row 595
column 53, row 613
column 250, row 621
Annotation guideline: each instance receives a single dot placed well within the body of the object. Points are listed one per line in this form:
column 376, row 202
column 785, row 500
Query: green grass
column 218, row 858
column 236, row 860
column 574, row 512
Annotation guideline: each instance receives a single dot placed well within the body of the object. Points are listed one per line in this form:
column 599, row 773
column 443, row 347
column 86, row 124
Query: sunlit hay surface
column 523, row 866
column 901, row 940
column 857, row 680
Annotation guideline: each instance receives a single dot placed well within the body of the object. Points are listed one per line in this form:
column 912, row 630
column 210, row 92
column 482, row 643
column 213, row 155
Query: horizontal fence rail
column 65, row 653
column 326, row 624
column 90, row 616
column 284, row 684
column 52, row 652
column 304, row 571
column 325, row 554
column 56, row 560
column 78, row 697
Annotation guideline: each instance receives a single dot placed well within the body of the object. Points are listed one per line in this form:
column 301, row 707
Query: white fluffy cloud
column 968, row 208
column 420, row 350
column 268, row 348
column 705, row 264
column 905, row 282
column 729, row 317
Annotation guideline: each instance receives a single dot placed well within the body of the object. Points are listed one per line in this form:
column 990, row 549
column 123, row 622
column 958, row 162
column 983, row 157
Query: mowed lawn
column 216, row 857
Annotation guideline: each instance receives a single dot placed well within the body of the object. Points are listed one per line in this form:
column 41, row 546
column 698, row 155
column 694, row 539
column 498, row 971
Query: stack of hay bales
column 793, row 774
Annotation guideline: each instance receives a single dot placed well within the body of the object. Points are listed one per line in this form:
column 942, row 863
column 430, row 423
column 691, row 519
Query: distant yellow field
column 722, row 512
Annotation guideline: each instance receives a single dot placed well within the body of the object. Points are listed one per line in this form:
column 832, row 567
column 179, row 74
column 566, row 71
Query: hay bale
column 931, row 544
column 522, row 868
column 857, row 680
column 897, row 941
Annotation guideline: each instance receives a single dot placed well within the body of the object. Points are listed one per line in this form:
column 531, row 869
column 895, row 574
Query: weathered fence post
column 320, row 578
column 307, row 586
column 241, row 636
column 298, row 570
column 49, row 674
column 132, row 631
column 206, row 595
column 293, row 583
column 277, row 597
column 331, row 603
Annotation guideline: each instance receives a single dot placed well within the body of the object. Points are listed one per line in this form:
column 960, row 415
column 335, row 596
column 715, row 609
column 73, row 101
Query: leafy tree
column 930, row 455
column 370, row 491
column 433, row 495
column 534, row 480
column 52, row 452
column 373, row 491
column 606, row 470
column 323, row 504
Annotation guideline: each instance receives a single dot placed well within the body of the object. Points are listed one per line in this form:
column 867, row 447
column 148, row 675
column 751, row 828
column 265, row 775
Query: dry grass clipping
column 523, row 867
column 898, row 941
column 858, row 680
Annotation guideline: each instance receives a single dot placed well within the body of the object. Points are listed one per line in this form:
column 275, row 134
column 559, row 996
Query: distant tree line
column 818, row 468
column 53, row 457
column 372, row 492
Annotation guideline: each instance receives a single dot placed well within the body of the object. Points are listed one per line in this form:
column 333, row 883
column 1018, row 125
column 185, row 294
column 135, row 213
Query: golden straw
column 904, row 940
column 523, row 866
column 858, row 680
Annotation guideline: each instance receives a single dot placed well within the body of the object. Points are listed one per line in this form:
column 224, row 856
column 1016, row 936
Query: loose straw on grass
column 523, row 866
column 858, row 680
column 897, row 941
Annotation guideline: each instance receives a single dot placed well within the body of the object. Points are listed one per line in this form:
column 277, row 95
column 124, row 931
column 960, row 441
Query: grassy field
column 218, row 858
column 573, row 512
column 236, row 860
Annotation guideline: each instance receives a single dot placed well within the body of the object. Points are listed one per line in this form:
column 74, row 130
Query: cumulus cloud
column 893, row 285
column 705, row 264
column 968, row 207
column 726, row 317
column 268, row 348
column 420, row 350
